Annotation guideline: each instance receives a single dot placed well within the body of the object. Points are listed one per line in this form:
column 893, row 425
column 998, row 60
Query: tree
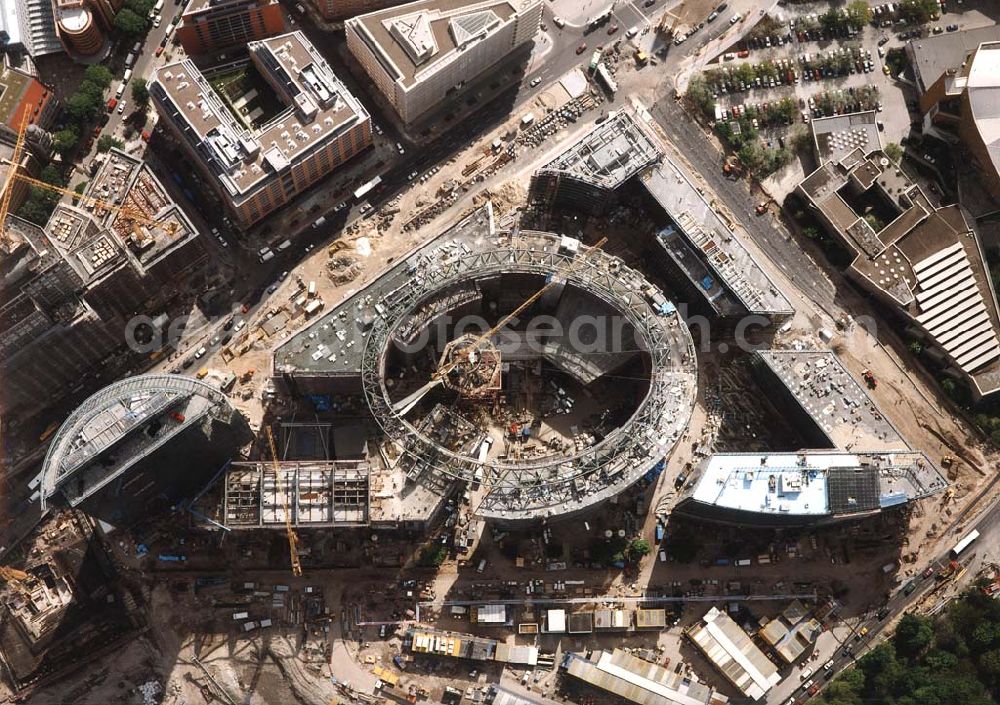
column 98, row 75
column 858, row 13
column 83, row 106
column 140, row 91
column 637, row 548
column 39, row 204
column 913, row 634
column 699, row 95
column 129, row 23
column 894, row 152
column 916, row 347
column 106, row 142
column 432, row 555
column 64, row 141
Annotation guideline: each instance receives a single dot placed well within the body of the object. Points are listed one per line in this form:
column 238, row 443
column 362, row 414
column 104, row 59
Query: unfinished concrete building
column 509, row 413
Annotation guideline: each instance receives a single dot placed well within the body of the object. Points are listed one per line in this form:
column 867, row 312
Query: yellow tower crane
column 136, row 217
column 293, row 539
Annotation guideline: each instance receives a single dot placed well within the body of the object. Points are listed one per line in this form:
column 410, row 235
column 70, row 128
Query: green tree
column 916, row 347
column 98, row 75
column 858, row 13
column 83, row 106
column 38, row 206
column 64, row 141
column 129, row 23
column 637, row 548
column 432, row 555
column 106, row 142
column 913, row 634
column 700, row 96
column 893, row 151
column 140, row 91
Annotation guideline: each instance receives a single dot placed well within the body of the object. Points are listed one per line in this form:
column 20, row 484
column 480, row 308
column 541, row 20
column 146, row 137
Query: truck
column 527, row 120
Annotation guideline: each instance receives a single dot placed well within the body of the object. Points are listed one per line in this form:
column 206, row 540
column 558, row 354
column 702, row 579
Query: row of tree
column 952, row 660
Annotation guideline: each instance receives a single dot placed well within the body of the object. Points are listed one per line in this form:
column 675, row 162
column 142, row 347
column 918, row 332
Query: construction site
column 497, row 468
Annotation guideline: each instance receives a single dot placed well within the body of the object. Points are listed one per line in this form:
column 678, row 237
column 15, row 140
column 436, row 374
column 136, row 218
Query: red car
column 582, row 48
column 159, row 50
column 612, row 29
column 97, row 131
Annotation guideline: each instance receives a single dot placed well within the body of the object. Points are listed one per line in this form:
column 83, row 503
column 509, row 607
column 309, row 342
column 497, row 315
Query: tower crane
column 473, row 344
column 133, row 215
column 293, row 539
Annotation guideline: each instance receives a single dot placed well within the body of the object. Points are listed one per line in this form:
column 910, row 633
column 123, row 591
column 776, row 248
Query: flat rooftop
column 609, row 154
column 833, row 398
column 415, row 39
column 834, row 137
column 317, row 108
column 815, row 483
column 712, row 236
column 934, row 55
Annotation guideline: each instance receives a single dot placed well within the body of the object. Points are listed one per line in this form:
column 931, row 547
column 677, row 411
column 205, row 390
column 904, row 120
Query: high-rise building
column 279, row 123
column 210, row 25
column 419, row 53
column 71, row 287
column 28, row 27
column 83, row 26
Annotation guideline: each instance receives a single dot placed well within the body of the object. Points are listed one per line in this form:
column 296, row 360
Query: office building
column 83, row 26
column 958, row 78
column 266, row 130
column 923, row 262
column 212, row 25
column 29, row 28
column 419, row 54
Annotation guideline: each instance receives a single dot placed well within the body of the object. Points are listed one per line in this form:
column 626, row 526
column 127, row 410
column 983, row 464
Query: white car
column 535, row 81
column 201, row 352
column 121, row 107
column 399, row 148
column 157, row 20
column 239, row 325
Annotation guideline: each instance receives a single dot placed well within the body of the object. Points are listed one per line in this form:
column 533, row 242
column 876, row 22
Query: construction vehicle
column 869, row 379
column 293, row 539
column 14, row 174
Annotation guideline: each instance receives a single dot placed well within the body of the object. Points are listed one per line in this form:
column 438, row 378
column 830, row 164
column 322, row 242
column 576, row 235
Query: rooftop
column 834, row 137
column 315, row 107
column 826, row 483
column 936, row 54
column 733, row 652
column 926, row 261
column 639, row 681
column 414, row 40
column 609, row 154
column 715, row 238
column 832, row 397
column 984, row 97
column 122, row 416
column 127, row 181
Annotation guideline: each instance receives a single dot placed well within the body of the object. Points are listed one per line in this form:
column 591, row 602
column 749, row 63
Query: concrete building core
column 419, row 53
column 264, row 130
column 537, row 446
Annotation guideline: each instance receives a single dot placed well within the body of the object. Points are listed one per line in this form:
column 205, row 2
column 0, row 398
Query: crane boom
column 15, row 165
column 442, row 371
column 293, row 539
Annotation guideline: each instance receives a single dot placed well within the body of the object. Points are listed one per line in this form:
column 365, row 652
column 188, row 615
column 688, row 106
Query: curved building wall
column 79, row 31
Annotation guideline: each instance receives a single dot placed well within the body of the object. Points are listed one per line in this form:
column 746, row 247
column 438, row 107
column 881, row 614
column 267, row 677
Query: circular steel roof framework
column 668, row 402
